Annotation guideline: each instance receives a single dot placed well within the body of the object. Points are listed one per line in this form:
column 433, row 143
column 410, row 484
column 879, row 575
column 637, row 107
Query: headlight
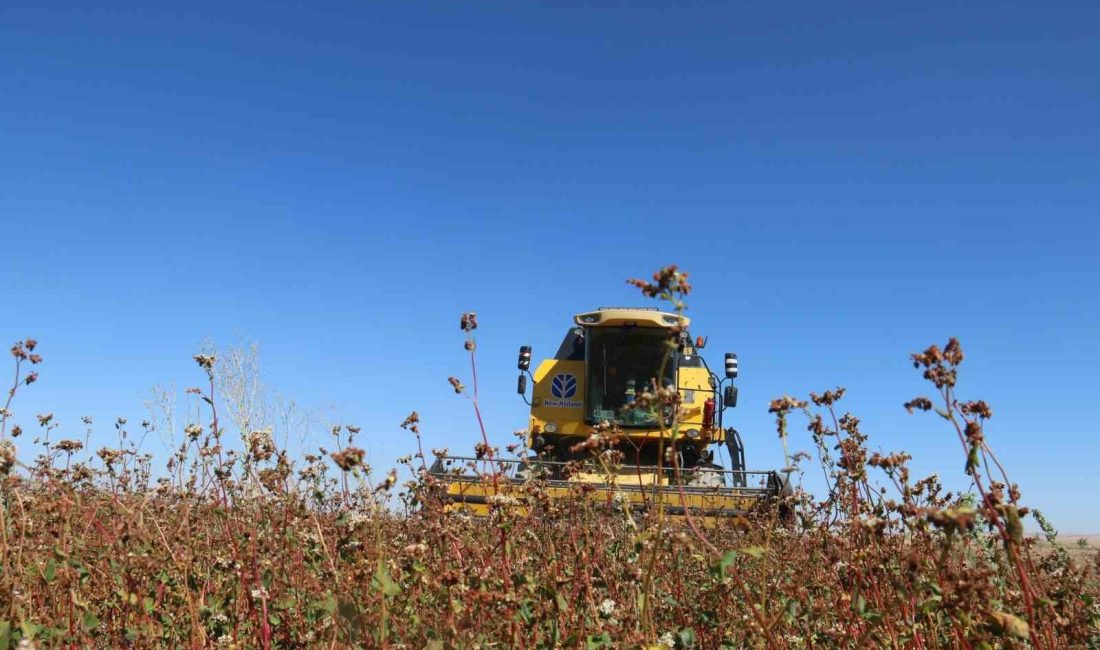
column 692, row 433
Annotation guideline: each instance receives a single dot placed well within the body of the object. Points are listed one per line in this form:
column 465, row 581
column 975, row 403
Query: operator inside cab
column 621, row 362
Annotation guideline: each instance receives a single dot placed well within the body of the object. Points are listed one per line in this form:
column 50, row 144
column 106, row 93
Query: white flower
column 356, row 518
column 607, row 607
column 667, row 640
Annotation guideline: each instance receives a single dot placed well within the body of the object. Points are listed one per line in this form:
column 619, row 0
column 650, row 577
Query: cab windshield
column 623, row 362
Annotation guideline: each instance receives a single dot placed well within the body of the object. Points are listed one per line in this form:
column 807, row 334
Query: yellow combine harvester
column 597, row 385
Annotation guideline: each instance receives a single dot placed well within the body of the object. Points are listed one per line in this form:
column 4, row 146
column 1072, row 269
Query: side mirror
column 731, row 365
column 524, row 357
column 521, row 385
column 730, row 397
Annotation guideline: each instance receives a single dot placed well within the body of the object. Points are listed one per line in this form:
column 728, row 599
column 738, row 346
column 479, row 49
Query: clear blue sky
column 846, row 182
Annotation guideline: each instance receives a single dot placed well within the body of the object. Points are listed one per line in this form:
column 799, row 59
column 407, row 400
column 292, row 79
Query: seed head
column 974, row 433
column 828, row 398
column 348, row 459
column 109, row 455
column 920, row 403
column 412, row 423
column 70, row 446
column 666, row 282
column 7, row 457
column 785, row 404
column 978, row 408
column 260, row 444
column 389, row 482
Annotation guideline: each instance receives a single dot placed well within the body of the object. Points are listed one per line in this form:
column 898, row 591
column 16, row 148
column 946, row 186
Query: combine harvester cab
column 590, row 399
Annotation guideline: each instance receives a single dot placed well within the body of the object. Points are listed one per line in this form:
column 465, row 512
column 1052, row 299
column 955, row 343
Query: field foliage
column 232, row 543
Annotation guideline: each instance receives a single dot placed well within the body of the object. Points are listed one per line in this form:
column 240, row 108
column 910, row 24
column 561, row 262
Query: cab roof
column 638, row 316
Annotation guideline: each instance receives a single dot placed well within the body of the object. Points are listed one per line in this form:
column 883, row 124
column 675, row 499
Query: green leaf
column 29, row 630
column 930, row 604
column 686, row 637
column 382, row 582
column 755, row 551
column 972, row 460
column 526, row 611
column 51, row 570
column 719, row 570
column 328, row 603
column 148, row 603
column 81, row 570
column 1014, row 526
column 5, row 634
column 859, row 604
column 90, row 621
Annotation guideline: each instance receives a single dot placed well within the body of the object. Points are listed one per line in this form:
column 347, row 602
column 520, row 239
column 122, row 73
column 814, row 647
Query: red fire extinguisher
column 708, row 413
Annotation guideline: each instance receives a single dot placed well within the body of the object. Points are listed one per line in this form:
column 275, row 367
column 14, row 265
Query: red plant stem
column 489, row 455
column 11, row 395
column 1013, row 552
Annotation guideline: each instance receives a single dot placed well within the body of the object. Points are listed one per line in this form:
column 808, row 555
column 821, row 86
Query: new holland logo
column 564, row 386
